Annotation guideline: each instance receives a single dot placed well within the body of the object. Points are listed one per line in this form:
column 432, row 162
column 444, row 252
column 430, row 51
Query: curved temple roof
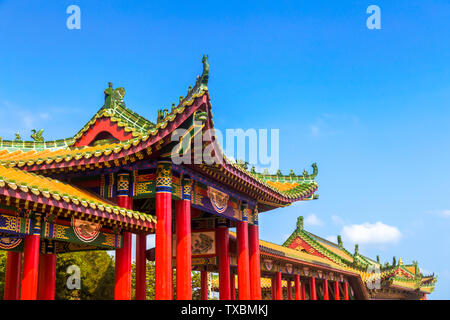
column 147, row 138
column 406, row 277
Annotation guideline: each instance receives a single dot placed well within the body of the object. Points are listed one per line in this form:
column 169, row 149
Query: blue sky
column 371, row 107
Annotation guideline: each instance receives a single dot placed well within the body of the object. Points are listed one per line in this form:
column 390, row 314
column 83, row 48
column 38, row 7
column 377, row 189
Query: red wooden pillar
column 336, row 290
column 303, row 291
column 183, row 230
column 279, row 286
column 141, row 266
column 204, row 284
column 47, row 276
column 163, row 239
column 298, row 295
column 255, row 262
column 289, row 289
column 346, row 297
column 233, row 286
column 243, row 257
column 12, row 275
column 313, row 288
column 274, row 287
column 325, row 290
column 122, row 287
column 223, row 252
column 31, row 262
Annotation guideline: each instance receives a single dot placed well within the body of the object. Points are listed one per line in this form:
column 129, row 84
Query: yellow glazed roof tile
column 39, row 185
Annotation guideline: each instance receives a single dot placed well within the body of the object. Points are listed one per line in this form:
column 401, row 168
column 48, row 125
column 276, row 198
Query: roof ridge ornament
column 311, row 176
column 339, row 240
column 300, row 223
column 205, row 73
column 18, row 138
column 37, row 135
column 162, row 113
column 114, row 96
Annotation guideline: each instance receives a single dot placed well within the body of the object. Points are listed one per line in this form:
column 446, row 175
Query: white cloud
column 313, row 220
column 337, row 220
column 331, row 238
column 368, row 233
column 443, row 213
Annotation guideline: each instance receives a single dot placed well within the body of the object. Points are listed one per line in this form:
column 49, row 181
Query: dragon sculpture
column 311, row 176
column 162, row 113
column 37, row 135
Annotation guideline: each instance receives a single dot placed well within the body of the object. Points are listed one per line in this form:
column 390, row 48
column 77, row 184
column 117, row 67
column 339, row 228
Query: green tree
column 2, row 272
column 150, row 282
column 97, row 276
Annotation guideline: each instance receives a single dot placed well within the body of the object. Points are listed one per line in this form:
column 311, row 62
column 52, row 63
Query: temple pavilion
column 308, row 267
column 115, row 177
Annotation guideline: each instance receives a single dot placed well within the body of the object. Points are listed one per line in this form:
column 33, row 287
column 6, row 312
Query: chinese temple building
column 116, row 177
column 308, row 267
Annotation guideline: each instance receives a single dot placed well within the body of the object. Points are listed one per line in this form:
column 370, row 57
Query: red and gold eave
column 27, row 191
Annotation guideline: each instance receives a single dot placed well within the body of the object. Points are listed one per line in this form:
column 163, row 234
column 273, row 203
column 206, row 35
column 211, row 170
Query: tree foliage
column 150, row 282
column 2, row 272
column 97, row 276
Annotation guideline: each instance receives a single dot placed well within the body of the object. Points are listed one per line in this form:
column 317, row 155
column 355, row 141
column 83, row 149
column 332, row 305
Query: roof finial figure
column 300, row 223
column 205, row 65
column 114, row 95
column 356, row 249
column 162, row 113
column 416, row 268
column 205, row 73
column 339, row 239
column 18, row 138
column 37, row 135
column 311, row 176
